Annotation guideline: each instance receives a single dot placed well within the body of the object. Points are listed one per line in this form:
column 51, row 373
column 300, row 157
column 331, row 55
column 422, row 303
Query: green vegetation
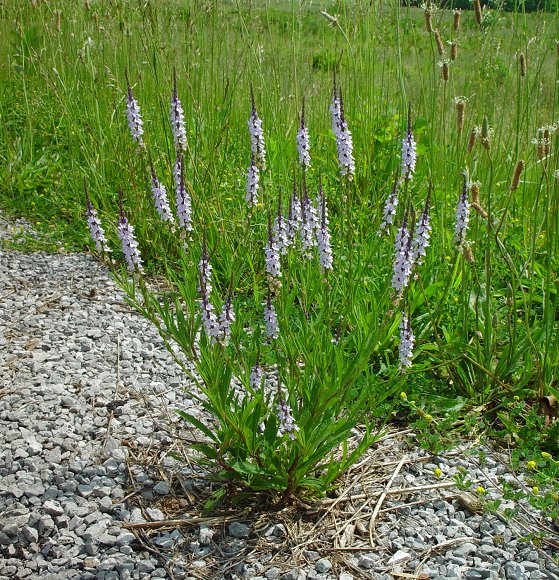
column 484, row 311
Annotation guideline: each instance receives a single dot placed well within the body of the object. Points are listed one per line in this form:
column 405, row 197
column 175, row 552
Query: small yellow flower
column 437, row 472
column 535, row 490
column 428, row 418
column 531, row 465
column 447, row 258
column 546, row 455
column 403, row 396
column 480, row 490
column 516, row 398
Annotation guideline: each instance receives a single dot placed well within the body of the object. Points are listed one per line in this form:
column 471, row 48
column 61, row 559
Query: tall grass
column 486, row 319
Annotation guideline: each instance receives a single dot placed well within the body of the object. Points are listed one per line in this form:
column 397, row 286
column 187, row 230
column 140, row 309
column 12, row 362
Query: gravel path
column 87, row 394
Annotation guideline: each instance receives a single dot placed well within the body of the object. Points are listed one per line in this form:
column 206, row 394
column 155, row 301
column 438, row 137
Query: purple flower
column 256, row 136
column 462, row 215
column 403, row 258
column 294, row 219
column 323, row 233
column 303, row 143
column 160, row 198
column 409, row 155
column 407, row 340
column 422, row 234
column 287, row 421
column 280, row 231
column 177, row 169
column 95, row 228
column 129, row 243
column 135, row 122
column 389, row 211
column 343, row 136
column 177, row 118
column 182, row 200
column 256, row 376
column 253, row 179
column 271, row 319
column 273, row 266
column 209, row 319
column 226, row 319
column 308, row 225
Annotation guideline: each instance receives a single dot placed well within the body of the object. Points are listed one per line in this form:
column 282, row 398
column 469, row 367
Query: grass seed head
column 486, row 133
column 522, row 64
column 474, row 191
column 428, row 16
column 456, row 22
column 477, row 12
column 516, row 175
column 472, row 139
column 453, row 50
column 443, row 64
column 439, row 41
column 460, row 106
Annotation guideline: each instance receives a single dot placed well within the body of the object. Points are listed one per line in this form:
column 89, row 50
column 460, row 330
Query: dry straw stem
column 383, row 497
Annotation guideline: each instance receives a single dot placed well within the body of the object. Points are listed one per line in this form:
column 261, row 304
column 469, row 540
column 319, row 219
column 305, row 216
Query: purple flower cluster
column 95, row 228
column 422, row 234
column 177, row 118
column 271, row 319
column 256, row 136
column 182, row 197
column 256, row 376
column 287, row 421
column 389, row 210
column 280, row 231
column 409, row 155
column 303, row 142
column 253, row 179
column 407, row 340
column 323, row 233
column 135, row 122
column 294, row 218
column 462, row 215
column 307, row 225
column 226, row 319
column 273, row 266
column 160, row 198
column 209, row 318
column 129, row 243
column 344, row 140
column 403, row 258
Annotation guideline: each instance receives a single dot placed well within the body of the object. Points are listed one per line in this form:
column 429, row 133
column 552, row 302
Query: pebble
column 239, row 530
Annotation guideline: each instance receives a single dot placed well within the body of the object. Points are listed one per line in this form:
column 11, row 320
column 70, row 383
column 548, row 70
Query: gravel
column 87, row 387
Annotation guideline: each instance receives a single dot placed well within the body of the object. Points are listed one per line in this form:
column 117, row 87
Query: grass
column 485, row 320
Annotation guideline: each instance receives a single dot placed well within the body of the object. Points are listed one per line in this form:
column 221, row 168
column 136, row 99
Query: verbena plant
column 484, row 306
column 287, row 372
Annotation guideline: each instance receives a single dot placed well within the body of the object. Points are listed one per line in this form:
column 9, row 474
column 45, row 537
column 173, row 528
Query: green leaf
column 214, row 500
column 197, row 423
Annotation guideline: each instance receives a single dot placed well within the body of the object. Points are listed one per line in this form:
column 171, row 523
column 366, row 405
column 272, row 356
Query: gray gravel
column 87, row 390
